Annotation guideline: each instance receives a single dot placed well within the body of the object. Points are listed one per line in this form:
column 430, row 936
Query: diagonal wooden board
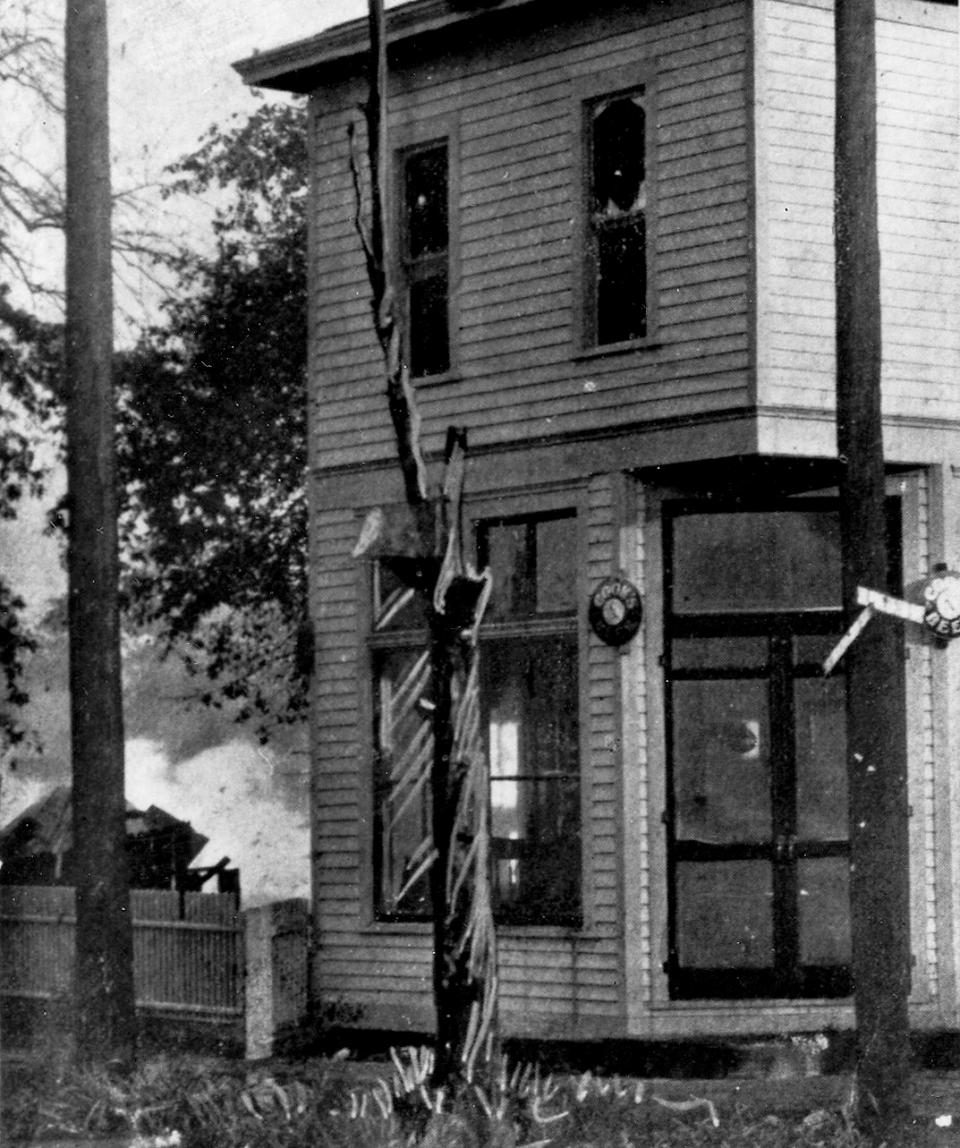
column 874, row 602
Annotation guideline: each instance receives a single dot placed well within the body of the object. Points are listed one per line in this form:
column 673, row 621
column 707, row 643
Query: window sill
column 451, row 376
column 588, row 354
column 425, row 928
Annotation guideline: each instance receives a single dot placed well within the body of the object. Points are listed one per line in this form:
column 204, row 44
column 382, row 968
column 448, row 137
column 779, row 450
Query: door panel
column 824, row 911
column 820, row 762
column 757, row 801
column 721, row 761
column 724, row 917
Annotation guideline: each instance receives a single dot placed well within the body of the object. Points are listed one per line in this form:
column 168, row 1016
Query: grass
column 193, row 1102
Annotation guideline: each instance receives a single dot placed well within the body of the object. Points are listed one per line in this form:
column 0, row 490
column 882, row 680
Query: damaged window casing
column 613, row 285
column 425, row 258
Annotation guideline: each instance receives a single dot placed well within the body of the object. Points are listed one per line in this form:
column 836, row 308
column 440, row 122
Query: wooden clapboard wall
column 919, row 199
column 514, row 111
column 553, row 981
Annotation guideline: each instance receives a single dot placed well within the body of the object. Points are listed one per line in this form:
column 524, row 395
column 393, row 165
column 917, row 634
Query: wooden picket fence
column 188, row 950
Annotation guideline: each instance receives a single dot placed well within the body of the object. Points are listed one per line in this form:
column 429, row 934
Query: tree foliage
column 30, row 350
column 31, row 91
column 30, row 358
column 213, row 428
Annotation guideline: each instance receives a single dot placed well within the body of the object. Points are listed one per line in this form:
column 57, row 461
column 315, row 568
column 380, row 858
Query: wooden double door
column 758, row 845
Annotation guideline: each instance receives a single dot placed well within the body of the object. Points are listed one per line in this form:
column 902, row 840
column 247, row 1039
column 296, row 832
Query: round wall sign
column 615, row 611
column 941, row 600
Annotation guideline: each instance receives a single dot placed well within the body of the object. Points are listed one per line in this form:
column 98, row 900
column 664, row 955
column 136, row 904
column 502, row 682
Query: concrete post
column 277, row 937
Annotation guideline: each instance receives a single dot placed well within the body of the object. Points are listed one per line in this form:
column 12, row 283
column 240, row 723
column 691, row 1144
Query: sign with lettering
column 615, row 610
column 941, row 604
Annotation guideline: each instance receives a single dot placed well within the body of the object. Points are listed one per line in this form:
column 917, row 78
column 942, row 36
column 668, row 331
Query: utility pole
column 106, row 1032
column 876, row 740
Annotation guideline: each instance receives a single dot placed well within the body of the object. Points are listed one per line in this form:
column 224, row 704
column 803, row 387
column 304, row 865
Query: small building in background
column 36, row 848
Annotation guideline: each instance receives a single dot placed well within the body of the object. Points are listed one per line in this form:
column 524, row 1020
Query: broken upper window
column 425, row 242
column 617, row 224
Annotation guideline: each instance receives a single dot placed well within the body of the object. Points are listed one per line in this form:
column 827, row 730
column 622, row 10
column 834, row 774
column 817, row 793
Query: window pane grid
column 529, row 693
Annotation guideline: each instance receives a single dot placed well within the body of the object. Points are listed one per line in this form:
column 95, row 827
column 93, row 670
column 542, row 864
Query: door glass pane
column 721, row 761
column 725, row 914
column 724, row 653
column 824, row 910
column 813, row 649
column 819, row 707
column 756, row 561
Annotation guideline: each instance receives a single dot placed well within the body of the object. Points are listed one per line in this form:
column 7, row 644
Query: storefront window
column 530, row 686
column 529, row 698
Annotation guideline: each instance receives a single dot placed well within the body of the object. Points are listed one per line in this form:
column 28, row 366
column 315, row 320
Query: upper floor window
column 616, row 200
column 424, row 248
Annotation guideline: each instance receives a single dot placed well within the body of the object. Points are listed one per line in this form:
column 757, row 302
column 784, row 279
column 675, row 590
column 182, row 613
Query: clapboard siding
column 515, row 108
column 386, row 970
column 336, row 810
column 601, row 836
column 918, row 206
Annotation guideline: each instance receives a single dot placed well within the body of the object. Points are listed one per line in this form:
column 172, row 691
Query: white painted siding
column 516, row 110
column 918, row 202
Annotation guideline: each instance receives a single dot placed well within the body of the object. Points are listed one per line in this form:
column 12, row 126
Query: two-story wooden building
column 614, row 224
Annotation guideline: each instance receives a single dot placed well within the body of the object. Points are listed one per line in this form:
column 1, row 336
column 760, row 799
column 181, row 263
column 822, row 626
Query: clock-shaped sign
column 941, row 604
column 615, row 611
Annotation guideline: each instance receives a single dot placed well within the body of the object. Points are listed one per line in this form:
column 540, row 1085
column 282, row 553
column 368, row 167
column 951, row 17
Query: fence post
column 276, row 938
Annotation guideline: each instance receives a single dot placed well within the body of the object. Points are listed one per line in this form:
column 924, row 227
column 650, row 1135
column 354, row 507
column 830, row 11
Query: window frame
column 547, row 624
column 410, row 139
column 621, row 82
column 539, row 503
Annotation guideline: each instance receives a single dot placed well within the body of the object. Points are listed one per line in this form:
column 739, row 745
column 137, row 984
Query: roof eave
column 297, row 67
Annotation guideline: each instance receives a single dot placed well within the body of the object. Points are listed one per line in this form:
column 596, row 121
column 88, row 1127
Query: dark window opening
column 617, row 233
column 425, row 242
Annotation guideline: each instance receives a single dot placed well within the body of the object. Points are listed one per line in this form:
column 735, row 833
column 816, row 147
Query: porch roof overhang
column 305, row 65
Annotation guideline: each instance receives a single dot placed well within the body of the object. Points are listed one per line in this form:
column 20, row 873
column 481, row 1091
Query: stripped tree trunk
column 448, row 752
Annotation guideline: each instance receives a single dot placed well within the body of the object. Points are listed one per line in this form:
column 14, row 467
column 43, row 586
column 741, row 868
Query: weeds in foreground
column 192, row 1103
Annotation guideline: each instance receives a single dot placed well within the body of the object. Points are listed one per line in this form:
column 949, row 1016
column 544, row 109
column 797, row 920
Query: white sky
column 170, row 79
column 171, row 75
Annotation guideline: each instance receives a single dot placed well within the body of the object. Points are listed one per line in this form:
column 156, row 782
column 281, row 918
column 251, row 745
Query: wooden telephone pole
column 104, row 963
column 876, row 748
